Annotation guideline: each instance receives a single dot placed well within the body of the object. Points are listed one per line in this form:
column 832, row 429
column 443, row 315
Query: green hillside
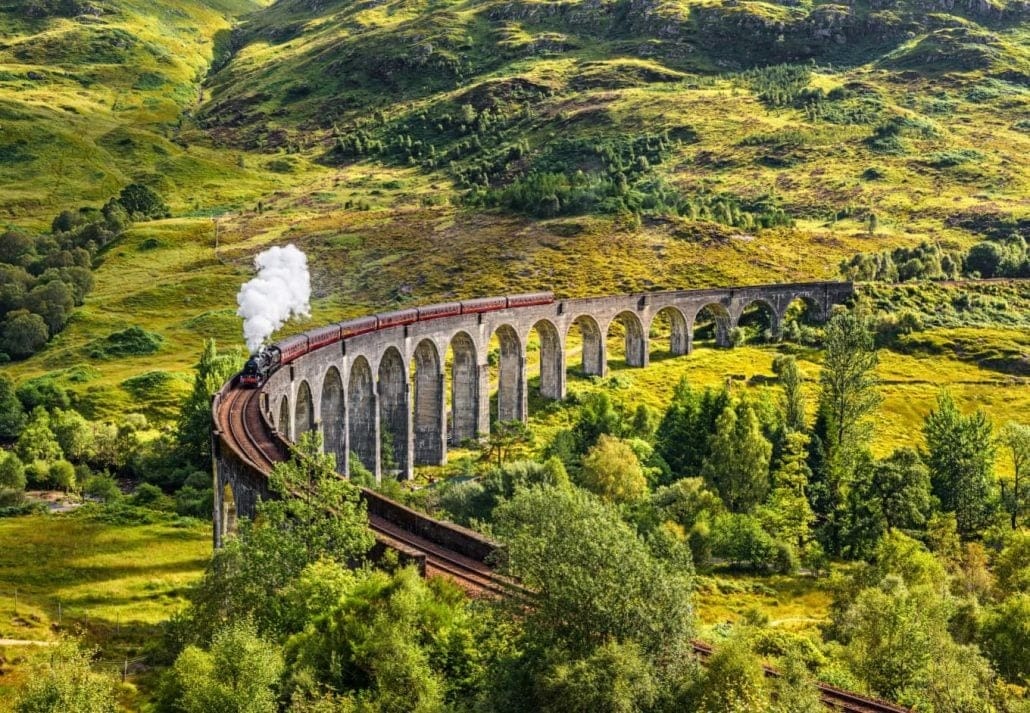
column 420, row 151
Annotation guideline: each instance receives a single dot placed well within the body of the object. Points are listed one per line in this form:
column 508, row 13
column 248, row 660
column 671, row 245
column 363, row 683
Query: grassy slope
column 114, row 583
column 88, row 104
column 260, row 127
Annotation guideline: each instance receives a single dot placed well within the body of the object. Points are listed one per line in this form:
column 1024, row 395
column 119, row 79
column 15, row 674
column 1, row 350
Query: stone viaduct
column 389, row 385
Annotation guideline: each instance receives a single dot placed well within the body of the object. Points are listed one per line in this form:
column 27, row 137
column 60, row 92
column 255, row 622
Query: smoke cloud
column 281, row 290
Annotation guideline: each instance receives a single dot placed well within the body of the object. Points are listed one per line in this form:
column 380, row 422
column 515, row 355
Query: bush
column 102, row 487
column 741, row 540
column 151, row 497
column 37, row 473
column 142, row 202
column 133, row 341
column 12, row 473
column 62, row 475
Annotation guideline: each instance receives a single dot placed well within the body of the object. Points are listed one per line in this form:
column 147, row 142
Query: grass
column 909, row 386
column 114, row 584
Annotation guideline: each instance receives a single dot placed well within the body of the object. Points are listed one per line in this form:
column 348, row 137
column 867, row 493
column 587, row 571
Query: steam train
column 268, row 359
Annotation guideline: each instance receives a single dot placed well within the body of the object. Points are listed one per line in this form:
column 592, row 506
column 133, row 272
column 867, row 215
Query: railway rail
column 243, row 428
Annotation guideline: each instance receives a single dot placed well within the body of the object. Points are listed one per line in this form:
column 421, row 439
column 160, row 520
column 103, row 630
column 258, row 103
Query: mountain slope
column 95, row 95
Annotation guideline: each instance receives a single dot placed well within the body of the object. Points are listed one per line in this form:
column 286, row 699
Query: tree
column 595, row 579
column 12, row 414
column 615, row 678
column 142, row 202
column 400, row 642
column 210, row 373
column 598, row 416
column 787, row 515
column 791, row 379
column 54, row 302
column 682, row 436
column 23, row 334
column 74, row 434
column 741, row 540
column 734, row 681
column 62, row 475
column 318, row 516
column 612, row 471
column 893, row 634
column 237, row 675
column 796, row 690
column 1006, row 637
column 985, row 258
column 62, row 681
column 37, row 441
column 901, row 485
column 506, row 438
column 17, row 248
column 886, row 494
column 847, row 399
column 737, row 465
column 1015, row 437
column 12, row 472
column 960, row 454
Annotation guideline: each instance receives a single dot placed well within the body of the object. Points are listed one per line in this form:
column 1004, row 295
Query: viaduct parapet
column 389, row 385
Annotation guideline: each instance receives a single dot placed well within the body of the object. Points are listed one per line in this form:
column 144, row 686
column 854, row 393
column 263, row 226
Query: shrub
column 142, row 202
column 133, row 341
column 102, row 487
column 151, row 497
column 741, row 540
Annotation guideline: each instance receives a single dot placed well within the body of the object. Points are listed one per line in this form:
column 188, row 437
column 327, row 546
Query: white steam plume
column 281, row 290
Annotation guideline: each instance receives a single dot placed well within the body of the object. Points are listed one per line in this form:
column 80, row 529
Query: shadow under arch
column 593, row 348
column 334, row 436
column 464, row 421
column 552, row 360
column 284, row 418
column 362, row 424
column 760, row 321
column 634, row 342
column 511, row 404
column 712, row 321
column 393, row 412
column 304, row 418
column 429, row 408
column 669, row 323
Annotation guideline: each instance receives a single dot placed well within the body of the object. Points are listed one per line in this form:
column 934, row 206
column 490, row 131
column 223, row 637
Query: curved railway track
column 244, row 429
column 241, row 421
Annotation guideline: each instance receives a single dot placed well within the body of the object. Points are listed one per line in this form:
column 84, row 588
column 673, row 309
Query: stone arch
column 334, row 423
column 229, row 511
column 635, row 341
column 430, row 410
column 465, row 379
column 593, row 362
column 799, row 313
column 511, row 375
column 672, row 321
column 720, row 319
column 552, row 360
column 362, row 415
column 811, row 307
column 394, row 410
column 284, row 418
column 760, row 314
column 304, row 417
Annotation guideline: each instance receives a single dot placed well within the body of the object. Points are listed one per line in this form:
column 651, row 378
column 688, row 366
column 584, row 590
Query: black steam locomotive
column 259, row 366
column 268, row 359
